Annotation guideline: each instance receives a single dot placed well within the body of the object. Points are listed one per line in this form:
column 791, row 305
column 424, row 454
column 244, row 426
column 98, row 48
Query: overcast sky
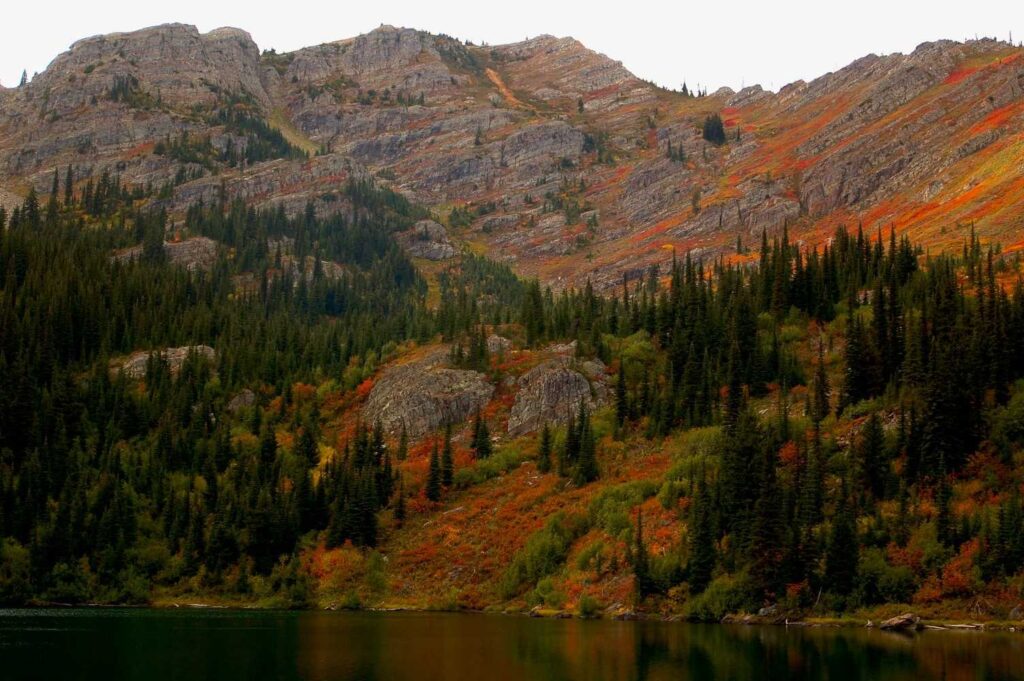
column 711, row 43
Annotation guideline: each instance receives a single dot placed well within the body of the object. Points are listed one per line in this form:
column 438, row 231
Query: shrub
column 485, row 469
column 544, row 553
column 610, row 509
column 725, row 594
column 880, row 582
column 546, row 594
column 15, row 565
column 1008, row 423
column 588, row 607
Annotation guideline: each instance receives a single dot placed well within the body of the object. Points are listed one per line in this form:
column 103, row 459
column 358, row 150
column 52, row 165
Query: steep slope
column 542, row 152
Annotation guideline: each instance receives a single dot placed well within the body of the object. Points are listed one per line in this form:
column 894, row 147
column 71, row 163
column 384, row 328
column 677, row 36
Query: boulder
column 425, row 394
column 427, row 239
column 497, row 345
column 245, row 398
column 907, row 621
column 552, row 392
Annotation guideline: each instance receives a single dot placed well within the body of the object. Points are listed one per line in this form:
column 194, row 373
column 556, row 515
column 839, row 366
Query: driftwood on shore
column 906, row 621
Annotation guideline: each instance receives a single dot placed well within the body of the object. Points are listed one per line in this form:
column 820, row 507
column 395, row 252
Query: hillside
column 265, row 338
column 553, row 157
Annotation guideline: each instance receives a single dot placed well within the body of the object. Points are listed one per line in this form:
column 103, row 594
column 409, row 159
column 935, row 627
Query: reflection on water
column 319, row 646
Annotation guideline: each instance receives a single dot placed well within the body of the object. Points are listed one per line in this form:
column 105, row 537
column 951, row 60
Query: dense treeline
column 109, row 486
column 782, row 511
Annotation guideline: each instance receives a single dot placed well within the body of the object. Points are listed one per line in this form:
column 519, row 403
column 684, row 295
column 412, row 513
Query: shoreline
column 922, row 625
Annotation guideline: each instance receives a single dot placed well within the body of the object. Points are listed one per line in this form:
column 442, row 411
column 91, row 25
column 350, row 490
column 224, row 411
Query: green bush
column 500, row 462
column 69, row 583
column 546, row 594
column 1008, row 423
column 726, row 594
column 592, row 557
column 610, row 509
column 879, row 582
column 544, row 553
column 15, row 566
column 588, row 607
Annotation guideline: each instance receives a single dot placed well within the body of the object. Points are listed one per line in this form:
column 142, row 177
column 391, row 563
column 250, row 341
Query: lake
column 320, row 646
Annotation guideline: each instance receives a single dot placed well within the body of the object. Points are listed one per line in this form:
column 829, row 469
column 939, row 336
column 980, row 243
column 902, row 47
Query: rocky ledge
column 424, row 394
column 136, row 365
column 427, row 239
column 553, row 391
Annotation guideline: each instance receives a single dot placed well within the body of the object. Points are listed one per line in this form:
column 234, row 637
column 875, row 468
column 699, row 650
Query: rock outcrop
column 563, row 162
column 242, row 400
column 427, row 239
column 551, row 392
column 424, row 394
column 197, row 253
column 136, row 365
column 497, row 345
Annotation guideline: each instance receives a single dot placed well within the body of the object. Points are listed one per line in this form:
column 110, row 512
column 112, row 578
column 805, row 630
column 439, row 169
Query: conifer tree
column 872, row 457
column 702, row 541
column 447, row 458
column 481, row 437
column 641, row 561
column 842, row 554
column 433, row 488
column 400, row 501
column 586, row 465
column 820, row 407
column 621, row 398
column 544, row 450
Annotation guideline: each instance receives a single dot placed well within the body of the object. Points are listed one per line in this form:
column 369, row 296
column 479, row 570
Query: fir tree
column 544, row 450
column 702, row 541
column 447, row 458
column 642, row 582
column 433, row 488
column 842, row 555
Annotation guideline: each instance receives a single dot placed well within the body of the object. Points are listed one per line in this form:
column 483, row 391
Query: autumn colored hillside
column 402, row 321
column 541, row 153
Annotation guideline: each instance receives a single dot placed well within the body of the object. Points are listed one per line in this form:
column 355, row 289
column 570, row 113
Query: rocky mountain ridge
column 541, row 152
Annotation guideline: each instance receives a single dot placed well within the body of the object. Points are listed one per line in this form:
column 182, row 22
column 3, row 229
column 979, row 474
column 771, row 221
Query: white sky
column 711, row 43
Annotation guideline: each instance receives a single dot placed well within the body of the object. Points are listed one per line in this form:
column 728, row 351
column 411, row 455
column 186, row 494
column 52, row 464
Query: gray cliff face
column 136, row 366
column 553, row 391
column 503, row 130
column 427, row 239
column 425, row 394
column 173, row 63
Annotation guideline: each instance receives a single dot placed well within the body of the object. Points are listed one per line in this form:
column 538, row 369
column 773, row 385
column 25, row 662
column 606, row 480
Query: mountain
column 557, row 159
column 256, row 349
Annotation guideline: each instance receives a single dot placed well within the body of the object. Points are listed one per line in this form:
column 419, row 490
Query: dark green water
column 320, row 646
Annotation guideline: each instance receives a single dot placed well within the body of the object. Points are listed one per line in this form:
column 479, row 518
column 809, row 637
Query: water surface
column 161, row 645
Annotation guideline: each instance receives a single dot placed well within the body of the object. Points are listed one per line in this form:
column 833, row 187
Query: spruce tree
column 481, row 437
column 873, row 464
column 433, row 488
column 820, row 407
column 642, row 581
column 702, row 541
column 400, row 501
column 621, row 398
column 842, row 554
column 447, row 458
column 544, row 450
column 586, row 466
